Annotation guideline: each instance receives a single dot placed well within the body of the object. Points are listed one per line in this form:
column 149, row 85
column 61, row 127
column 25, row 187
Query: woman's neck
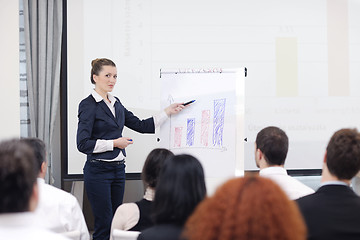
column 102, row 94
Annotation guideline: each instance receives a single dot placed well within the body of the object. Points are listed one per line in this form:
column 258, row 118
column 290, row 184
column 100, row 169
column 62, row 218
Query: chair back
column 124, row 235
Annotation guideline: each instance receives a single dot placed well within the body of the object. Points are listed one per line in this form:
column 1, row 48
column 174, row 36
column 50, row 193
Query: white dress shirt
column 103, row 145
column 60, row 211
column 293, row 188
column 24, row 225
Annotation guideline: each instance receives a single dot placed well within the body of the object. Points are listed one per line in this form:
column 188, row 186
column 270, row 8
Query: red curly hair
column 251, row 208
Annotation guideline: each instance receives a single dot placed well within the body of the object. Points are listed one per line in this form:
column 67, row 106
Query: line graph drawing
column 218, row 127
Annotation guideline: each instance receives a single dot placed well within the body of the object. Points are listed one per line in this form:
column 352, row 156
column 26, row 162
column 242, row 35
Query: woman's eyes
column 108, row 76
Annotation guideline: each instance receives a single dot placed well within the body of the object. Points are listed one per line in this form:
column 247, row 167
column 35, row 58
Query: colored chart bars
column 203, row 138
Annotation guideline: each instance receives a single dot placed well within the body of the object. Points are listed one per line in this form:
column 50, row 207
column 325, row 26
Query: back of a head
column 343, row 154
column 38, row 146
column 153, row 164
column 17, row 176
column 273, row 143
column 251, row 208
column 180, row 188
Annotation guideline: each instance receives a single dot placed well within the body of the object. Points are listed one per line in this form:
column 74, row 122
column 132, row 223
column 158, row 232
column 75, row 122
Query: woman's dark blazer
column 97, row 122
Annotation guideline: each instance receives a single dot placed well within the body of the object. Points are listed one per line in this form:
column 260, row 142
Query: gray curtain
column 43, row 30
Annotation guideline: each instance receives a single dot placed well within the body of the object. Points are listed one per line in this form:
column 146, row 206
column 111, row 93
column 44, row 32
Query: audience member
column 180, row 188
column 271, row 148
column 332, row 212
column 136, row 216
column 19, row 194
column 250, row 208
column 59, row 210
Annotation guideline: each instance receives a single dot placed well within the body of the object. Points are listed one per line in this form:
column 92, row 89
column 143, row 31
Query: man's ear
column 44, row 167
column 259, row 153
column 325, row 157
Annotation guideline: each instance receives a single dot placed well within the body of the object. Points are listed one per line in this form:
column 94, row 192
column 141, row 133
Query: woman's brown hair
column 249, row 208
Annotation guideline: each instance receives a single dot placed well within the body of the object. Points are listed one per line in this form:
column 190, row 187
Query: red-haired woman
column 250, row 208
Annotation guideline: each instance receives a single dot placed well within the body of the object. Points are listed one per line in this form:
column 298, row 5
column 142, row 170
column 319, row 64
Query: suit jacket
column 161, row 232
column 97, row 122
column 332, row 212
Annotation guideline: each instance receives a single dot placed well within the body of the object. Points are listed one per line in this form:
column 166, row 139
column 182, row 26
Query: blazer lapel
column 107, row 110
column 117, row 112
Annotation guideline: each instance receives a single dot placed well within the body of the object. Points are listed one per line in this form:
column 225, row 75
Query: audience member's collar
column 99, row 98
column 272, row 170
column 333, row 183
column 149, row 194
column 40, row 180
column 18, row 219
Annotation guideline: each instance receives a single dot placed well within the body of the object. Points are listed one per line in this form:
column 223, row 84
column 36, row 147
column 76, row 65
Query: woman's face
column 105, row 81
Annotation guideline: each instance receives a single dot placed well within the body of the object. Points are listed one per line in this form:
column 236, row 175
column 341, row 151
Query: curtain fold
column 43, row 32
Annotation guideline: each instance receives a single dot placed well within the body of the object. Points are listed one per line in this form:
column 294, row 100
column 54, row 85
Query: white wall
column 9, row 69
column 302, row 58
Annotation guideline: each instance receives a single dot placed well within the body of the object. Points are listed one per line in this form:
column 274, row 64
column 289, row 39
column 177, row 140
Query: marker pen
column 189, row 102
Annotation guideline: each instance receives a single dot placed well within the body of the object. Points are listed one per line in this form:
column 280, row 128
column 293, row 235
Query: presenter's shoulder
column 89, row 99
column 87, row 102
column 118, row 100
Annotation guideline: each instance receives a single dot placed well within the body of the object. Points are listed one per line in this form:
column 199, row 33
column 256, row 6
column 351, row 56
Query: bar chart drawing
column 203, row 128
column 209, row 128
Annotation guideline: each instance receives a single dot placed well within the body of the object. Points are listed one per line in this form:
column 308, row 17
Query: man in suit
column 271, row 149
column 333, row 211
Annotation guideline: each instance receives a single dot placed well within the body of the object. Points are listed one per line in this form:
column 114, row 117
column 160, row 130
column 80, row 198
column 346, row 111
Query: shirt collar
column 99, row 98
column 273, row 170
column 18, row 219
column 40, row 180
column 333, row 183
